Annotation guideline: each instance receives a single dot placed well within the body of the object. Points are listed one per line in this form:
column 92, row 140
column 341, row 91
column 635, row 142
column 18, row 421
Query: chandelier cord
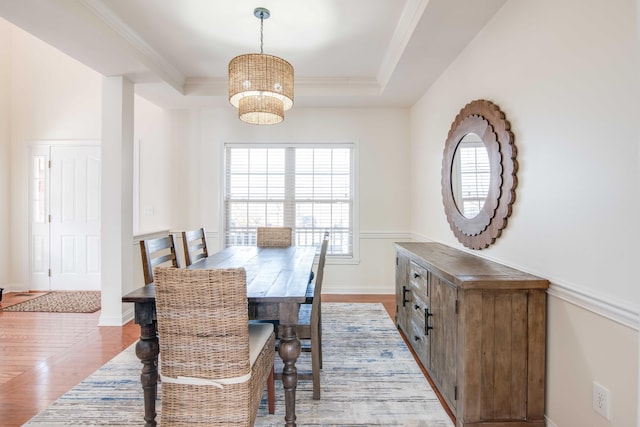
column 261, row 30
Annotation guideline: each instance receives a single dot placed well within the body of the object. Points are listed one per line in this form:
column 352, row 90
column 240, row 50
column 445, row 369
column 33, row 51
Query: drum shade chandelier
column 260, row 85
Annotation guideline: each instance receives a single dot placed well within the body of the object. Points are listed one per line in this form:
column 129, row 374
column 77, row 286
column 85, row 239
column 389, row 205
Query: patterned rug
column 369, row 378
column 61, row 302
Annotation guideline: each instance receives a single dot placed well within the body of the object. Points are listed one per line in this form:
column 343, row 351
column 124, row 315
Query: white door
column 75, row 218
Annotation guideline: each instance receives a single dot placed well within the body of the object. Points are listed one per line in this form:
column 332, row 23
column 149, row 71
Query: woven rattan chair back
column 195, row 245
column 202, row 318
column 274, row 236
column 155, row 252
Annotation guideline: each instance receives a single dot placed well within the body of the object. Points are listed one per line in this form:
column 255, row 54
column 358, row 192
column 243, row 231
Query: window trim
column 354, row 145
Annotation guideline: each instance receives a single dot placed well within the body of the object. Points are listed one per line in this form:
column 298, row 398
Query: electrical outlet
column 601, row 400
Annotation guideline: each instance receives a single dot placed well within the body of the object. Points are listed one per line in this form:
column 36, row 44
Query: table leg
column 147, row 350
column 289, row 352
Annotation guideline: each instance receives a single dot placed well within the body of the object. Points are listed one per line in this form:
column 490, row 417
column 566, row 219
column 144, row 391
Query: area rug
column 369, row 378
column 61, row 302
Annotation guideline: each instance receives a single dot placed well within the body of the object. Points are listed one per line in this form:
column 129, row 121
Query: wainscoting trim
column 617, row 311
column 152, row 235
column 612, row 309
column 391, row 235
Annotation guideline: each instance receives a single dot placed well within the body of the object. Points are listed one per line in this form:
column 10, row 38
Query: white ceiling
column 344, row 52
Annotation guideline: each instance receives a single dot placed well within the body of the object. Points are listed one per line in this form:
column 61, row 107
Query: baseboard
column 548, row 422
column 126, row 316
column 15, row 287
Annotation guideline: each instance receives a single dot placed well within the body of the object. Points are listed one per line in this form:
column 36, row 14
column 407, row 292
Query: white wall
column 5, row 152
column 180, row 158
column 52, row 98
column 565, row 73
column 155, row 166
column 382, row 139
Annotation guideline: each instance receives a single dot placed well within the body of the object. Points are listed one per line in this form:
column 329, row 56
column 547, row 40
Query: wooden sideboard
column 478, row 328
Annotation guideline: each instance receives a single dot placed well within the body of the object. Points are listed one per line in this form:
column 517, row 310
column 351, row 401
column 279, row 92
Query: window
column 307, row 187
column 472, row 173
column 39, row 193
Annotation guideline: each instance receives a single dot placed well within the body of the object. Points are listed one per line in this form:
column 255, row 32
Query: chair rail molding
column 612, row 309
column 603, row 305
column 380, row 235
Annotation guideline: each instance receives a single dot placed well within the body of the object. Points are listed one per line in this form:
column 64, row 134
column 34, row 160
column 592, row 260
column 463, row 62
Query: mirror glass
column 470, row 175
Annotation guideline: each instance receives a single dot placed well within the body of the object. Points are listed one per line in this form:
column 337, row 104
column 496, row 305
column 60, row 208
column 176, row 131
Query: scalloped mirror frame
column 485, row 119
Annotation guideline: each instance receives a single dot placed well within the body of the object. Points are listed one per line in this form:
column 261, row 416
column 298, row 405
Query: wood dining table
column 277, row 281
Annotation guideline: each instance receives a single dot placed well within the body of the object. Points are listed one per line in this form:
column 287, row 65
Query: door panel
column 39, row 218
column 443, row 337
column 75, row 218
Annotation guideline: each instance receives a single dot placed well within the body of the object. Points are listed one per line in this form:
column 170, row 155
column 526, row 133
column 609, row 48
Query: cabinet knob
column 416, row 307
column 416, row 338
column 416, row 275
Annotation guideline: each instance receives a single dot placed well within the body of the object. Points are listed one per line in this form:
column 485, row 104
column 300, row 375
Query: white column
column 6, row 205
column 117, row 199
column 637, row 93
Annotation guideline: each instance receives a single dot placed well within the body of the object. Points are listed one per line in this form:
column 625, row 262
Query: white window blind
column 306, row 187
column 474, row 172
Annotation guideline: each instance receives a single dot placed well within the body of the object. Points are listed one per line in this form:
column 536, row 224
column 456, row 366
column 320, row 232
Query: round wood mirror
column 479, row 174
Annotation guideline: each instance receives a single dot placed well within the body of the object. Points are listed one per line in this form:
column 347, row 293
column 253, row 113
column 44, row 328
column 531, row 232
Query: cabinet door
column 403, row 293
column 443, row 337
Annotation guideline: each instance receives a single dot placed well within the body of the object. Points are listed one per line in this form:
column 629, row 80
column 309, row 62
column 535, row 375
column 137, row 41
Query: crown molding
column 205, row 86
column 411, row 15
column 337, row 86
column 311, row 86
column 141, row 49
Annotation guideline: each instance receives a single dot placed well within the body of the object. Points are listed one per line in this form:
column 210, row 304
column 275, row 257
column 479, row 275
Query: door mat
column 61, row 302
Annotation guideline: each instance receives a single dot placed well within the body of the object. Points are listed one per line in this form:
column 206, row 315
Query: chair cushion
column 259, row 334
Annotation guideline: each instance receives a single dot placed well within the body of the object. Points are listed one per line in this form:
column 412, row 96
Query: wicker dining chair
column 274, row 236
column 155, row 252
column 213, row 364
column 195, row 245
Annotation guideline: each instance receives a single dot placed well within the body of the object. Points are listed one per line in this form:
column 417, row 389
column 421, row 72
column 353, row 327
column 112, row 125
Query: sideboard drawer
column 419, row 278
column 420, row 341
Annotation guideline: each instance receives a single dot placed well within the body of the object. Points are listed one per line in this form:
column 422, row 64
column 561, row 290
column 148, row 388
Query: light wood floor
column 43, row 355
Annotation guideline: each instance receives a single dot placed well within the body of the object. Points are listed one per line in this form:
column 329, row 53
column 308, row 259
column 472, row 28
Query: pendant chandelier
column 260, row 85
